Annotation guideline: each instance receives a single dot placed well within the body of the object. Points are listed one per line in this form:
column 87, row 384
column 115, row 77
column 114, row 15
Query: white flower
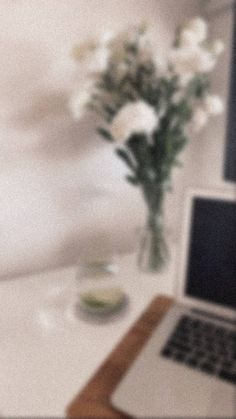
column 193, row 32
column 133, row 118
column 205, row 61
column 217, row 47
column 188, row 38
column 191, row 60
column 198, row 27
column 161, row 64
column 184, row 79
column 199, row 119
column 107, row 38
column 213, row 104
column 79, row 101
column 144, row 46
column 98, row 60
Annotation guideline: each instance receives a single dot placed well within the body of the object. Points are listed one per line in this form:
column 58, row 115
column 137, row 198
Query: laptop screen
column 211, row 270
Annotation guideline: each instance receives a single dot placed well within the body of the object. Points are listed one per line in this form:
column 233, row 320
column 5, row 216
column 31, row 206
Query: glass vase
column 153, row 250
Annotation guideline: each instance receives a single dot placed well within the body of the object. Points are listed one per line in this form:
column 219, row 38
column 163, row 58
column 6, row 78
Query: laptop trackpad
column 170, row 389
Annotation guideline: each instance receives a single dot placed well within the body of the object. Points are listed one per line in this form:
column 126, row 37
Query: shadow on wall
column 34, row 102
column 57, row 135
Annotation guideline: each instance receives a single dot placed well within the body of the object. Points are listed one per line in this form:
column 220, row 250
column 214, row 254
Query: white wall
column 60, row 185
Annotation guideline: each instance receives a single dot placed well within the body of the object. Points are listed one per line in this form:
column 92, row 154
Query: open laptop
column 188, row 366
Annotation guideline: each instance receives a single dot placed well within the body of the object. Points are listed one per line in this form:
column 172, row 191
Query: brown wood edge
column 93, row 400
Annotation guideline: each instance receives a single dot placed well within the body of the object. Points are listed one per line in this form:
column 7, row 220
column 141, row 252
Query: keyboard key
column 213, row 359
column 203, row 345
column 207, row 327
column 209, row 348
column 226, row 375
column 179, row 356
column 179, row 346
column 232, row 336
column 167, row 352
column 227, row 365
column 220, row 332
column 192, row 362
column 207, row 367
column 199, row 354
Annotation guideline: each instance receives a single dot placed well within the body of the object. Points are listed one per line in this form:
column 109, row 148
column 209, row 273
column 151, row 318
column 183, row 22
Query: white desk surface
column 46, row 354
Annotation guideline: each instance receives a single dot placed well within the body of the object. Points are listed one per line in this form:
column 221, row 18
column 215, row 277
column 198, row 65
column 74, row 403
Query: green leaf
column 178, row 163
column 132, row 179
column 198, row 86
column 105, row 134
column 139, row 147
column 126, row 158
column 110, row 110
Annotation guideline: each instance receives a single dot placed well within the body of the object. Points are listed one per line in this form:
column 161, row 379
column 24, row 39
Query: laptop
column 188, row 366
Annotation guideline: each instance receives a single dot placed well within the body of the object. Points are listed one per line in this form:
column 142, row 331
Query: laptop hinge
column 213, row 316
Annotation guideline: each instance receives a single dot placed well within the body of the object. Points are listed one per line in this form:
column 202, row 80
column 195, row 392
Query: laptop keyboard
column 204, row 346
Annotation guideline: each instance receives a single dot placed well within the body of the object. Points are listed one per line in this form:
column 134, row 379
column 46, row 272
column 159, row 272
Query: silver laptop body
column 188, row 366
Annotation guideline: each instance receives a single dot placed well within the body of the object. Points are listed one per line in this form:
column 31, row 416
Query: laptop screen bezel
column 183, row 254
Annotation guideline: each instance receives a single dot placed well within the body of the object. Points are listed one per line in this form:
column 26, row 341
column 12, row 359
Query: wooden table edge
column 93, row 400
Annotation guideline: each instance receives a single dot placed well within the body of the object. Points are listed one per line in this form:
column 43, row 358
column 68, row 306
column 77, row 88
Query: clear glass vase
column 153, row 250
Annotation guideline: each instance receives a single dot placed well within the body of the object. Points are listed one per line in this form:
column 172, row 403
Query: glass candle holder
column 99, row 289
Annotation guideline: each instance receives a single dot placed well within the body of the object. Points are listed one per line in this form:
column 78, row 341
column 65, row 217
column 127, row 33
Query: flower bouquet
column 148, row 107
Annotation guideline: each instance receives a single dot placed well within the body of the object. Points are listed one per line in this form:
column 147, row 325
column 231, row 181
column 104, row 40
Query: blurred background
column 62, row 189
